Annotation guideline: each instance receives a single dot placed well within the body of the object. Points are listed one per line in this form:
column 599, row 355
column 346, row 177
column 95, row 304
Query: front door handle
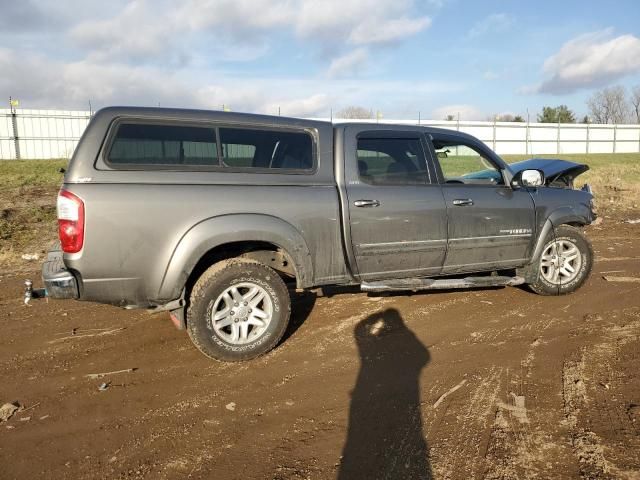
column 461, row 202
column 366, row 203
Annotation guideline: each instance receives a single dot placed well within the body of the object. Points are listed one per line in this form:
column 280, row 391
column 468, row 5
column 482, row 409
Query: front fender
column 570, row 214
column 216, row 231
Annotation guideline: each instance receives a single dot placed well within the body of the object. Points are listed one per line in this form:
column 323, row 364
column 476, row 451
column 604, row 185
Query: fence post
column 494, row 133
column 526, row 138
column 587, row 147
column 615, row 136
column 14, row 124
column 558, row 140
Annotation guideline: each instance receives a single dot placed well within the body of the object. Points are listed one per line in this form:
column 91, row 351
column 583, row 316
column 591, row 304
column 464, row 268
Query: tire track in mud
column 458, row 427
column 592, row 408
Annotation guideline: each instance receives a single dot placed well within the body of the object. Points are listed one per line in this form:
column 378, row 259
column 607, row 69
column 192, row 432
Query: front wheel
column 565, row 262
column 238, row 309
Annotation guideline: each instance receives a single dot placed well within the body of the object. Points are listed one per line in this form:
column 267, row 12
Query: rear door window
column 392, row 161
column 162, row 145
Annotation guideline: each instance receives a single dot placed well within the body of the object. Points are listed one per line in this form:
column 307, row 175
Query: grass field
column 28, row 193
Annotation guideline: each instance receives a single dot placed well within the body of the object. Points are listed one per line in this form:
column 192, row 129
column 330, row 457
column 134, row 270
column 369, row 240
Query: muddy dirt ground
column 495, row 383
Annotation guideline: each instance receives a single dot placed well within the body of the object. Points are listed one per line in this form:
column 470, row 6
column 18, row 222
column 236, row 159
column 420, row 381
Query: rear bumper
column 58, row 281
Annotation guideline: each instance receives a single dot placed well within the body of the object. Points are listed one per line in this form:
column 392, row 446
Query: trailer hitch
column 30, row 292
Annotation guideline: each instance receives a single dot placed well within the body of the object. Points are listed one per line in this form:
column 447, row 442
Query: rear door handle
column 366, row 203
column 461, row 202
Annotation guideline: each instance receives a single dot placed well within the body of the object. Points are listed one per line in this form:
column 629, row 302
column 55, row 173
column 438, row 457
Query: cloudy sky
column 306, row 57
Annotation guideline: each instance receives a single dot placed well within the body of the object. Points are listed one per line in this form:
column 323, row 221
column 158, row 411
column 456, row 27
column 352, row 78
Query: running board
column 415, row 284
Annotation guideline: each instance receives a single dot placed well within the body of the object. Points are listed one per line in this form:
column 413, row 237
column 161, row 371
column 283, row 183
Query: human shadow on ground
column 385, row 438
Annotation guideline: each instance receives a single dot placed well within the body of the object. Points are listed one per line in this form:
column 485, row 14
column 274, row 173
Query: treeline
column 609, row 105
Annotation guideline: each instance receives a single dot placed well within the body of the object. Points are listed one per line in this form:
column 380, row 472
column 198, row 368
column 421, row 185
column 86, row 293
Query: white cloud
column 590, row 60
column 40, row 82
column 466, row 112
column 387, row 32
column 151, row 31
column 315, row 105
column 348, row 64
column 494, row 23
column 490, row 75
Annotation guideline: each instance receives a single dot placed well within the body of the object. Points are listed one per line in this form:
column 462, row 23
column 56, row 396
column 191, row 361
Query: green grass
column 21, row 173
column 27, row 207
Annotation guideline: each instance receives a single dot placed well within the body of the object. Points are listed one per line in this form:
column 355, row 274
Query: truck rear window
column 138, row 144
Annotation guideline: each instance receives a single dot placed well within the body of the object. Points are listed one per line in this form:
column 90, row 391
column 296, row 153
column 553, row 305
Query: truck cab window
column 463, row 164
column 391, row 161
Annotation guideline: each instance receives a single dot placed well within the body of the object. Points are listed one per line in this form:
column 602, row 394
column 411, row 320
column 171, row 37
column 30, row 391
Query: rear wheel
column 565, row 262
column 239, row 309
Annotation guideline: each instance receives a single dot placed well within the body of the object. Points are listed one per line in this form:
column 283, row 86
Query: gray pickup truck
column 216, row 216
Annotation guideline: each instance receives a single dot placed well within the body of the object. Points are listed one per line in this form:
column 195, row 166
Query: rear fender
column 225, row 229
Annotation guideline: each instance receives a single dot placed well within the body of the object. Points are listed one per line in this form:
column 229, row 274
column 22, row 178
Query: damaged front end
column 558, row 173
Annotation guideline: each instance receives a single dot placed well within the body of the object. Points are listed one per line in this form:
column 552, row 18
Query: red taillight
column 70, row 221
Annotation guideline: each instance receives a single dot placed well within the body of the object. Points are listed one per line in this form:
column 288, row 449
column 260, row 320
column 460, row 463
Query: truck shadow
column 385, row 437
column 302, row 304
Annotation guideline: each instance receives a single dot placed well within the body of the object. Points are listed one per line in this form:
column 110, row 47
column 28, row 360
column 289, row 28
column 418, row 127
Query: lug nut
column 232, row 313
column 245, row 303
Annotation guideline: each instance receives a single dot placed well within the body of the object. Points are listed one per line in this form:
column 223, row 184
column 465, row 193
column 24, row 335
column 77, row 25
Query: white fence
column 30, row 134
column 33, row 134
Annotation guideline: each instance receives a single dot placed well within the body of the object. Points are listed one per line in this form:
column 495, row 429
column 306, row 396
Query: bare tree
column 355, row 112
column 609, row 105
column 505, row 117
column 635, row 102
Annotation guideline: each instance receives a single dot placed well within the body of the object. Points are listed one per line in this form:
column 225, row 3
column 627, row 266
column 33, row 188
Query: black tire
column 574, row 235
column 211, row 285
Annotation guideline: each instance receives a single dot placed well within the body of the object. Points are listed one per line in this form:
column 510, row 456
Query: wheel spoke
column 552, row 273
column 569, row 267
column 250, row 294
column 244, row 330
column 222, row 313
column 252, row 320
column 237, row 298
column 235, row 333
column 259, row 313
column 257, row 299
column 225, row 322
column 564, row 272
column 227, row 299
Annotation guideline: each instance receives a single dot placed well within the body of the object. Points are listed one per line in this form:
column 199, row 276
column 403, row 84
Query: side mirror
column 528, row 178
column 442, row 154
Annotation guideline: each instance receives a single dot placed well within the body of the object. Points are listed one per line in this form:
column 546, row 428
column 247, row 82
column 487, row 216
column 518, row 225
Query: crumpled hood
column 552, row 168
